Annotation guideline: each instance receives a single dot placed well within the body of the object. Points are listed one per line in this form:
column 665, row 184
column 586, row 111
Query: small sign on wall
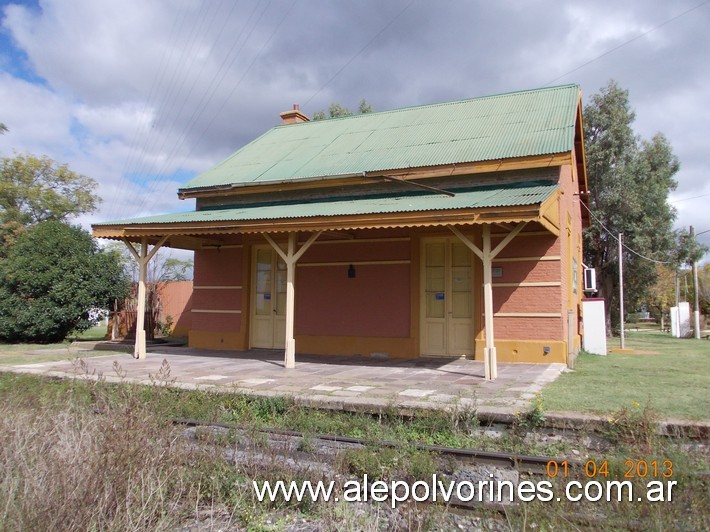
column 267, row 297
column 497, row 272
column 439, row 296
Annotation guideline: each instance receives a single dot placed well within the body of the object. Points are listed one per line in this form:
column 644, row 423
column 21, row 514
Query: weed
column 532, row 419
column 306, row 444
column 389, row 462
column 634, row 426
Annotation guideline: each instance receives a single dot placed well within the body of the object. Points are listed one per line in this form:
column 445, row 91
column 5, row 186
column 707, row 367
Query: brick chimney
column 293, row 117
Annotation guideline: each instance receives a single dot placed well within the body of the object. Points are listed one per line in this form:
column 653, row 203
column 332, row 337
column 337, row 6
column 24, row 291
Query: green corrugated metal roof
column 501, row 195
column 518, row 124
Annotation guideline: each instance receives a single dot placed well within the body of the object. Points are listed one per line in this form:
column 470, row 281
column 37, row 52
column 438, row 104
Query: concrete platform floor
column 336, row 382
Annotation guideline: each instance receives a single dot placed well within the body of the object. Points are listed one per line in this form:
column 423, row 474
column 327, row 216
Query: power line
column 622, row 243
column 361, row 50
column 688, row 198
column 239, row 82
column 615, row 48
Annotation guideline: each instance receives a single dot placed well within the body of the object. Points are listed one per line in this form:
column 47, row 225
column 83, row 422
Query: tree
column 337, row 111
column 52, row 276
column 629, row 182
column 704, row 288
column 36, row 189
column 661, row 295
column 3, row 128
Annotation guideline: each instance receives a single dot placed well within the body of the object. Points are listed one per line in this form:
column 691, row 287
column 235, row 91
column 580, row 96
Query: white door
column 447, row 298
column 268, row 317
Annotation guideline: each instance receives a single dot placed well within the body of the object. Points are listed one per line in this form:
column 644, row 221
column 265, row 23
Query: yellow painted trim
column 528, row 351
column 527, row 315
column 521, row 233
column 368, row 221
column 361, row 240
column 217, row 247
column 529, row 259
column 355, row 263
column 550, row 210
column 216, row 340
column 222, row 287
column 528, row 284
column 210, row 311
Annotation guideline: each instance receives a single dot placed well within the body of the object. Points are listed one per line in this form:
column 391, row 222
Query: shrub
column 50, row 278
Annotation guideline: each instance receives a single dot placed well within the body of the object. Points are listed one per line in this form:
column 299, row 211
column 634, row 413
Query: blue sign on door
column 267, row 297
column 439, row 296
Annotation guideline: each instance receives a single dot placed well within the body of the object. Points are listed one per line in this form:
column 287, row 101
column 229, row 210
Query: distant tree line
column 336, row 110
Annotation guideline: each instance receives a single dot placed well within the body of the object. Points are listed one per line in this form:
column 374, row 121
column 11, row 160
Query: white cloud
column 136, row 89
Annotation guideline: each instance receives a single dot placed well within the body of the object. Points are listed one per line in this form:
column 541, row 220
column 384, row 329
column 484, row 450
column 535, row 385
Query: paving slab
column 335, row 382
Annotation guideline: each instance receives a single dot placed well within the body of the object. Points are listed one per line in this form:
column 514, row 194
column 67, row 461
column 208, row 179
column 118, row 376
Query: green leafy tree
column 629, row 182
column 337, row 111
column 36, row 189
column 704, row 289
column 661, row 295
column 688, row 249
column 52, row 276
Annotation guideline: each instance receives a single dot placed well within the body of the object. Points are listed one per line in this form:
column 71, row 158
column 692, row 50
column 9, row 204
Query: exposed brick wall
column 519, row 328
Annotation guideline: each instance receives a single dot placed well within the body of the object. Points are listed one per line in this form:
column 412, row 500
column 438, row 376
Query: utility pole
column 696, row 306
column 621, row 289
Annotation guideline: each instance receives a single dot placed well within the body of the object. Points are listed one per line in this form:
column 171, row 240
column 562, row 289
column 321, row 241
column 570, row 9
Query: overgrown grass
column 87, row 455
column 674, row 382
column 65, row 467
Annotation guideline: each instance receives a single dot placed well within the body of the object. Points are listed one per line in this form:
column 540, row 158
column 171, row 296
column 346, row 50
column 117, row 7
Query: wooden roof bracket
column 412, row 183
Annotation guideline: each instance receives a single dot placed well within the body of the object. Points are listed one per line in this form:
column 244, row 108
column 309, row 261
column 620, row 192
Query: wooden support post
column 489, row 351
column 290, row 354
column 140, row 350
column 490, row 361
column 290, row 257
column 142, row 258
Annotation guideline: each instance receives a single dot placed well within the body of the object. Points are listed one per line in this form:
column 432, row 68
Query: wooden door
column 447, row 298
column 268, row 318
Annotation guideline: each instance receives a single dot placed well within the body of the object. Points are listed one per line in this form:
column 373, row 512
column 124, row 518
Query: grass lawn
column 95, row 334
column 674, row 383
column 11, row 354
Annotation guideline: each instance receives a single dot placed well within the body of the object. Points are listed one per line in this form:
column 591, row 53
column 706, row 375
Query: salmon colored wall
column 522, row 245
column 375, row 303
column 215, row 330
column 218, row 267
column 528, row 299
column 176, row 300
column 357, row 251
column 217, row 299
column 529, row 271
column 213, row 322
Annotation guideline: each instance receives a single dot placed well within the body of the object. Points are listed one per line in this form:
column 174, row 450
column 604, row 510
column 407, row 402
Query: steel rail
column 519, row 462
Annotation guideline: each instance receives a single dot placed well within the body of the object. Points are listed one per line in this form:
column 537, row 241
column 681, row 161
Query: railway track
column 534, row 465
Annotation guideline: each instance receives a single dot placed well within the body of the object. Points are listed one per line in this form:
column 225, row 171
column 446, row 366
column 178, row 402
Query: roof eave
column 366, row 177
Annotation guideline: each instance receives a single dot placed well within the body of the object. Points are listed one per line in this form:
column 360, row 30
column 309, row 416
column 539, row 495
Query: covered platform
column 353, row 383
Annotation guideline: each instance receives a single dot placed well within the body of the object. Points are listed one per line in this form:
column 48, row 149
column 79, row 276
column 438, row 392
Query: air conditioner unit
column 590, row 280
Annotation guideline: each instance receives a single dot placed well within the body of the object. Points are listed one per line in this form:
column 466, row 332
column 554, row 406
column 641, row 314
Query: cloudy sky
column 143, row 94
